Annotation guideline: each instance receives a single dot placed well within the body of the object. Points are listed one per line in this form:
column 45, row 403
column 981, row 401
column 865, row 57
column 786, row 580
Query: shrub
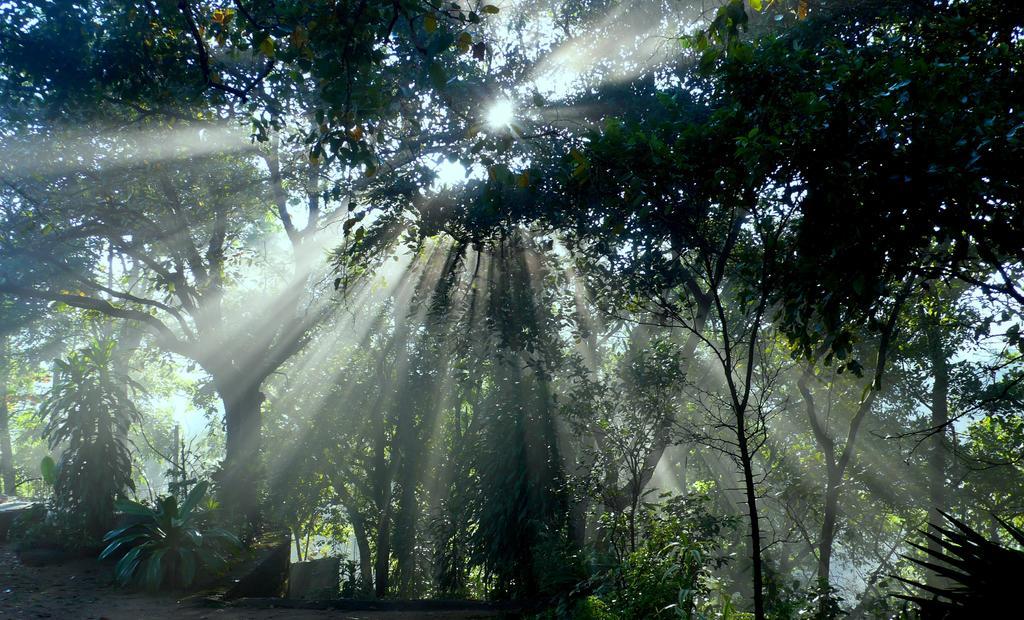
column 33, row 528
column 165, row 544
column 88, row 413
column 668, row 574
column 592, row 608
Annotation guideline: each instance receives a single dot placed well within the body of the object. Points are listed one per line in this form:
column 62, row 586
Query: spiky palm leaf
column 981, row 575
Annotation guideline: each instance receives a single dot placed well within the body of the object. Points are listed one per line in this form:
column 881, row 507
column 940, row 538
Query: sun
column 501, row 114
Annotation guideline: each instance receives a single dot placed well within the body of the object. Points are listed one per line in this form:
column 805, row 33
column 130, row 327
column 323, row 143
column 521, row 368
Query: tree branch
column 164, row 335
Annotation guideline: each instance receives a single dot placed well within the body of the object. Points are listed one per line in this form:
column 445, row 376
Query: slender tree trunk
column 834, row 478
column 382, row 490
column 296, row 540
column 939, row 421
column 6, row 451
column 403, row 530
column 746, row 461
column 358, row 521
column 828, row 527
column 405, row 533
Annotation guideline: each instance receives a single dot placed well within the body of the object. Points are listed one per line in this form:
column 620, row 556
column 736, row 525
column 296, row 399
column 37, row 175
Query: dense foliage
column 628, row 309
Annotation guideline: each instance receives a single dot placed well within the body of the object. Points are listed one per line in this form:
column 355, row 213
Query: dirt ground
column 84, row 589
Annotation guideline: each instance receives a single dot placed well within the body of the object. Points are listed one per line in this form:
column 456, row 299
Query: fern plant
column 166, row 545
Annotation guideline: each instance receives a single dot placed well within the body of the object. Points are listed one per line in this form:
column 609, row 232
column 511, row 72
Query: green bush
column 166, row 545
column 44, row 527
column 592, row 608
column 557, row 564
column 667, row 575
column 33, row 528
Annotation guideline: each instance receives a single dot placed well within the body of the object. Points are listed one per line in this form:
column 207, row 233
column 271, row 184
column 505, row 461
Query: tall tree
column 10, row 485
column 102, row 68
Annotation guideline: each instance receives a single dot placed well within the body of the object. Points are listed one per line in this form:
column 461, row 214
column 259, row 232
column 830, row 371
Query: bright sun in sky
column 501, row 114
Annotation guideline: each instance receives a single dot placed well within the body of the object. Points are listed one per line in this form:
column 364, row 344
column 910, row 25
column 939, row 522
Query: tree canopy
column 638, row 309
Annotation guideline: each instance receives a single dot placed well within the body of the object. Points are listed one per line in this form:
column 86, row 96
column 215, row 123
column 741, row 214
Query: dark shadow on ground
column 82, row 588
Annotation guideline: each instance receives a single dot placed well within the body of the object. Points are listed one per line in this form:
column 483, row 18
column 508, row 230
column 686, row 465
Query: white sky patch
column 449, row 174
column 452, row 173
column 501, row 113
column 628, row 41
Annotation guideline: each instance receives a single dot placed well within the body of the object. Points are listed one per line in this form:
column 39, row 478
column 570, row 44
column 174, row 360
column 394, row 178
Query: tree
column 788, row 116
column 88, row 412
column 10, row 485
column 168, row 81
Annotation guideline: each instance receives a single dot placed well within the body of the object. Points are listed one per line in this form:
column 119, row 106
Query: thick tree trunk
column 6, row 451
column 241, row 471
column 363, row 543
column 382, row 563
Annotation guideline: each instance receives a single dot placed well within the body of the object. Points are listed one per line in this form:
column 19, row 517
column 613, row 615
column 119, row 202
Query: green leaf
column 195, row 496
column 112, row 534
column 155, row 569
column 223, row 535
column 267, row 47
column 490, row 9
column 438, row 77
column 125, row 567
column 188, row 566
column 48, row 469
column 127, row 506
column 117, row 544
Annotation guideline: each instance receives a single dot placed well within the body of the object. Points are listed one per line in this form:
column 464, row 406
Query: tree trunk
column 383, row 493
column 404, row 540
column 939, row 421
column 6, row 451
column 363, row 543
column 240, row 473
column 833, row 479
column 382, row 564
column 828, row 529
column 358, row 521
column 746, row 461
column 297, row 541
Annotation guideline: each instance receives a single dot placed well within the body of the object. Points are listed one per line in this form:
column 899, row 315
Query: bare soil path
column 83, row 589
